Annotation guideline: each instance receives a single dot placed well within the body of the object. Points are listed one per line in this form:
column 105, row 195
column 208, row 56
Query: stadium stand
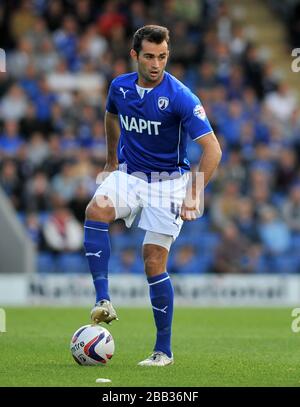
column 61, row 58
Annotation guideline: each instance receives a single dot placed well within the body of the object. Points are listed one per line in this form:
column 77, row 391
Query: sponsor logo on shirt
column 140, row 125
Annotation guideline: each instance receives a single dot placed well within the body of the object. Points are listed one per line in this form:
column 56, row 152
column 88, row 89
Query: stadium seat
column 208, row 242
column 296, row 243
column 71, row 263
column 195, row 228
column 119, row 242
column 45, row 263
column 285, row 264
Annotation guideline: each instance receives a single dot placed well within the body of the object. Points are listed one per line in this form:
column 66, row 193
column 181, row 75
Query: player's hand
column 191, row 207
column 190, row 210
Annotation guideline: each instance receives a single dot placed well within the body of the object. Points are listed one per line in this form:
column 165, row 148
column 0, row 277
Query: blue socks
column 97, row 248
column 162, row 296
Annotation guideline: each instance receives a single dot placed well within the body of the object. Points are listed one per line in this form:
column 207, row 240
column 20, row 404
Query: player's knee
column 154, row 257
column 152, row 264
column 100, row 210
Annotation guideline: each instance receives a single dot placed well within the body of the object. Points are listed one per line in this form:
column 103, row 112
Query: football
column 92, row 345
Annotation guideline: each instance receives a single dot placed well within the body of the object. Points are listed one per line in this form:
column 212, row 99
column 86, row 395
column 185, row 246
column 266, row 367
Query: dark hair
column 151, row 33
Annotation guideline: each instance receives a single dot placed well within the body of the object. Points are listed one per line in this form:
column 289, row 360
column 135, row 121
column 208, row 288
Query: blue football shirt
column 155, row 128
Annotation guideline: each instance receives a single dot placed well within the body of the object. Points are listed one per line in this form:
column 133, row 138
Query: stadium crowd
column 61, row 58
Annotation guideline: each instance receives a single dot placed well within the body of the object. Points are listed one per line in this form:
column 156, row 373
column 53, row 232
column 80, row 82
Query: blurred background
column 61, row 56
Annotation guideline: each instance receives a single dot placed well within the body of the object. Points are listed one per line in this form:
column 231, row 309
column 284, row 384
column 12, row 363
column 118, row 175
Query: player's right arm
column 112, row 131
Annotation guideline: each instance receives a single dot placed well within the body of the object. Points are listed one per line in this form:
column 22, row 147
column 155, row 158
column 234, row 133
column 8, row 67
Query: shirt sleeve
column 110, row 104
column 193, row 116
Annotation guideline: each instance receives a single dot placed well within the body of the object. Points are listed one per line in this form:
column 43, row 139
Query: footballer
column 150, row 115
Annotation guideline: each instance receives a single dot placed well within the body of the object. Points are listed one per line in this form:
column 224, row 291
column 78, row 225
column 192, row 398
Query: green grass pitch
column 212, row 347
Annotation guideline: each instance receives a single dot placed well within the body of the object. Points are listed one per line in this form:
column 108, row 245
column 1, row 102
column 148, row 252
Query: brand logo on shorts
column 163, row 102
column 199, row 112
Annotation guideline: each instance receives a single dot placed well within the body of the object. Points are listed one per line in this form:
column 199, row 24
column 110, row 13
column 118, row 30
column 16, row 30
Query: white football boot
column 103, row 311
column 157, row 359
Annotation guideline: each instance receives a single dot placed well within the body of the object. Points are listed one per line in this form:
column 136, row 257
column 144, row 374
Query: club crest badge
column 163, row 102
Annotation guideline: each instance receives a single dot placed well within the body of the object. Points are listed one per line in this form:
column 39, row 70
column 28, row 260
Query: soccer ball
column 92, row 345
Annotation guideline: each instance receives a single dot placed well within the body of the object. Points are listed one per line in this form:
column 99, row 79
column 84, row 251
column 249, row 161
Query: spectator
column 38, row 34
column 96, row 45
column 69, row 142
column 286, row 170
column 270, row 80
column 22, row 19
column 262, row 197
column 251, row 105
column 186, row 261
column 20, row 59
column 253, row 69
column 129, row 262
column 233, row 122
column 10, row 139
column 234, row 169
column 189, row 11
column 62, row 232
column 273, row 232
column 84, row 14
column 55, row 158
column 10, row 182
column 207, row 76
column 236, row 83
column 61, row 57
column 59, row 121
column 138, row 14
column 98, row 143
column 294, row 24
column 64, row 184
column 110, row 18
column 44, row 101
column 29, row 82
column 34, row 230
column 54, row 14
column 231, row 251
column 37, row 194
column 38, row 150
column 47, row 58
column 29, row 124
column 225, row 205
column 13, row 105
column 245, row 220
column 79, row 202
column 65, row 40
column 182, row 48
column 118, row 42
column 291, row 209
column 238, row 43
column 282, row 102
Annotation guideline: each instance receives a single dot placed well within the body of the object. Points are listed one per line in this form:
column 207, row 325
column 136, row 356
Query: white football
column 92, row 345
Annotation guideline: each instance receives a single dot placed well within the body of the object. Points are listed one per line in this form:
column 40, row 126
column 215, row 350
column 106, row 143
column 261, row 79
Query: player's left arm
column 210, row 158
